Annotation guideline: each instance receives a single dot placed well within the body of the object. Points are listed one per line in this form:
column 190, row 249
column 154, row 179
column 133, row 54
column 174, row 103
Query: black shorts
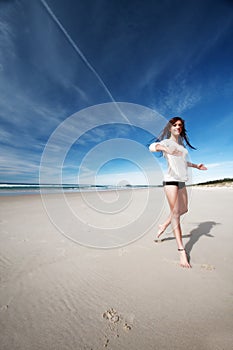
column 174, row 183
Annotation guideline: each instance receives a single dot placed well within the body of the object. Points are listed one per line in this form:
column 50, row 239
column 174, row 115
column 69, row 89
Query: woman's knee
column 176, row 215
column 184, row 211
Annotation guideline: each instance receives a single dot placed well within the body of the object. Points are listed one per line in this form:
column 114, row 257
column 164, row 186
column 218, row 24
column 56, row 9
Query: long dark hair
column 183, row 137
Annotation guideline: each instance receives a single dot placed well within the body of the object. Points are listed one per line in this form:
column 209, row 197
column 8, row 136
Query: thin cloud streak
column 79, row 52
column 220, row 164
column 173, row 56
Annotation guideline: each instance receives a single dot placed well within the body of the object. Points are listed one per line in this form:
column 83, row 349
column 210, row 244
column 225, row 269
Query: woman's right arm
column 156, row 147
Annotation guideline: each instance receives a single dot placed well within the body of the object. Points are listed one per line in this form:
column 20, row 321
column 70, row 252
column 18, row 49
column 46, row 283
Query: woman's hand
column 201, row 167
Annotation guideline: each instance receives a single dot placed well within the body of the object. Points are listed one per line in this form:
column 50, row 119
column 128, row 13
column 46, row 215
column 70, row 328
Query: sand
column 56, row 293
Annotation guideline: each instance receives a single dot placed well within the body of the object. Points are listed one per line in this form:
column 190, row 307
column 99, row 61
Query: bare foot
column 183, row 258
column 161, row 230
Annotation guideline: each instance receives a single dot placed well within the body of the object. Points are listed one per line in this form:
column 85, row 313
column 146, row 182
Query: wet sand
column 56, row 293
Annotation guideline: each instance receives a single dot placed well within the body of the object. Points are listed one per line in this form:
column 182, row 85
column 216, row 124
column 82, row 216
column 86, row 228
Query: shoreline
column 17, row 192
column 10, row 193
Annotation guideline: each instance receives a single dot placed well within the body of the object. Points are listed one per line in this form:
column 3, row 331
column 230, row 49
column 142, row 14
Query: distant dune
column 226, row 182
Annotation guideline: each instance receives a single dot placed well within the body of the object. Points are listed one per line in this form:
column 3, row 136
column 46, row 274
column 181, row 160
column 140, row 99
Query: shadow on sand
column 203, row 229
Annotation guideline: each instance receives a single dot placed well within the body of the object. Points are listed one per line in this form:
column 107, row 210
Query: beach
column 83, row 272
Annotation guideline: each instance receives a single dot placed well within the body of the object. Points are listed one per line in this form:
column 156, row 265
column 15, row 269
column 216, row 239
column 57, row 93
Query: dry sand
column 57, row 294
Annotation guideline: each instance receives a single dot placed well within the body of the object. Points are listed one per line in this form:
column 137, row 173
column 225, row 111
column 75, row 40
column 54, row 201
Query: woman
column 172, row 143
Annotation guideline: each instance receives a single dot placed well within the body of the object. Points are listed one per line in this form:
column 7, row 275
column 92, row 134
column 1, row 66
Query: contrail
column 79, row 52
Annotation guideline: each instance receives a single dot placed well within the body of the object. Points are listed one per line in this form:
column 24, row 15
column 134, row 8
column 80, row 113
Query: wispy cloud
column 14, row 167
column 179, row 53
column 220, row 165
column 158, row 62
column 30, row 105
column 6, row 42
column 180, row 96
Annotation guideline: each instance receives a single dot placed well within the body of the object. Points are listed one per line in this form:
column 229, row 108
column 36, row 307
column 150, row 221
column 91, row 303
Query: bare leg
column 177, row 199
column 183, row 208
column 162, row 227
column 183, row 200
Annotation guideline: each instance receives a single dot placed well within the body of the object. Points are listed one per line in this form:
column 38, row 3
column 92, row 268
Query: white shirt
column 177, row 165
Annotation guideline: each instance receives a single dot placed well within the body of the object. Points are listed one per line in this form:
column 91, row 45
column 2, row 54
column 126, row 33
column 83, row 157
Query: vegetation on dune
column 220, row 182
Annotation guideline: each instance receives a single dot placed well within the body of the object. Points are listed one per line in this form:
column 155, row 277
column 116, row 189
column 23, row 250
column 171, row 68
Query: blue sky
column 173, row 57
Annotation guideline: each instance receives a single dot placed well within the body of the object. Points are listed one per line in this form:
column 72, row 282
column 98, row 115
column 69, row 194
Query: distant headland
column 226, row 182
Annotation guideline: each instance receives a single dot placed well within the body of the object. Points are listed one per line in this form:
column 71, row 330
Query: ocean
column 14, row 189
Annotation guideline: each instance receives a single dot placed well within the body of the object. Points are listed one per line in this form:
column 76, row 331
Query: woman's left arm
column 197, row 166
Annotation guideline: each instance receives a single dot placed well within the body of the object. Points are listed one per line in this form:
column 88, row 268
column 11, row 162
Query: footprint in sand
column 127, row 327
column 115, row 320
column 4, row 307
column 111, row 315
column 207, row 267
column 122, row 251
